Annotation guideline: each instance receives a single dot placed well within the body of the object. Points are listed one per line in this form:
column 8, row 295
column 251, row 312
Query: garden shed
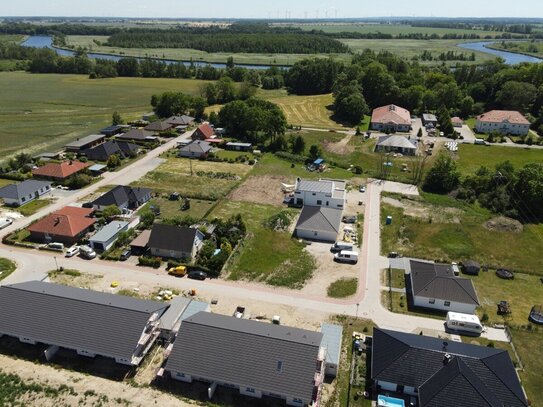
column 471, row 267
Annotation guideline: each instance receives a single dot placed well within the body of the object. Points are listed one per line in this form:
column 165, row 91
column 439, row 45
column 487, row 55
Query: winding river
column 510, row 58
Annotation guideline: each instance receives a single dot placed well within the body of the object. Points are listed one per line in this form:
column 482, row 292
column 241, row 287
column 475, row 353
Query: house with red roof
column 60, row 171
column 503, row 122
column 67, row 225
column 203, row 132
column 391, row 118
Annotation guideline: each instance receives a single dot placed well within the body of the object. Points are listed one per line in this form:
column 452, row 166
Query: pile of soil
column 504, row 224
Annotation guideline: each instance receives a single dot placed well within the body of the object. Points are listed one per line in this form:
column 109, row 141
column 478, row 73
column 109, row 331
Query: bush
column 251, row 162
column 154, row 262
column 291, row 157
column 484, row 318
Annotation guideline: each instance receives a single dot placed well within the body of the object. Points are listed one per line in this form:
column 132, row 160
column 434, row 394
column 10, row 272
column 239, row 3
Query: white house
column 503, row 122
column 318, row 223
column 391, row 118
column 324, row 192
column 24, row 192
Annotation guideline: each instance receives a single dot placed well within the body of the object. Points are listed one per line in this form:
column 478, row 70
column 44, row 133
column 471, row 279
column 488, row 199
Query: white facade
column 319, row 235
column 390, row 127
column 443, row 305
column 23, row 200
column 327, row 193
column 504, row 127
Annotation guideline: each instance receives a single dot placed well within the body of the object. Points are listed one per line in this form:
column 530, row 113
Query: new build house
column 85, row 143
column 259, row 359
column 59, row 172
column 105, row 237
column 391, row 118
column 433, row 372
column 503, row 122
column 22, row 193
column 88, row 322
column 195, row 149
column 123, row 197
column 175, row 242
column 396, row 144
column 102, row 152
column 324, row 192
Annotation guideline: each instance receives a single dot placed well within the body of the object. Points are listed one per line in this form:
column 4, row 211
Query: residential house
column 175, row 242
column 182, row 120
column 67, row 225
column 102, row 152
column 88, row 322
column 59, row 172
column 203, row 132
column 137, row 135
column 47, row 156
column 429, row 120
column 112, row 130
column 457, row 121
column 24, row 192
column 97, row 169
column 324, row 192
column 436, row 372
column 319, row 223
column 435, row 286
column 103, row 239
column 503, row 122
column 396, row 144
column 259, row 359
column 332, row 336
column 123, row 197
column 391, row 118
column 238, row 146
column 158, row 126
column 85, row 143
column 140, row 244
column 195, row 149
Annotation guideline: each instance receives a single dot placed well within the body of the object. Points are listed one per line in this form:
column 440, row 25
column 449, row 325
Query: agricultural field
column 11, row 38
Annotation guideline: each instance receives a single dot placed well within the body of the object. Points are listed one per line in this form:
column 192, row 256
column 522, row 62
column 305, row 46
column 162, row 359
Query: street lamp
column 56, row 264
column 357, row 304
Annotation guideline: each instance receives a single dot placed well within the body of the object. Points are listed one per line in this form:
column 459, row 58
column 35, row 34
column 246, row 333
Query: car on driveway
column 197, row 275
column 72, row 251
column 5, row 222
column 362, row 188
column 349, row 219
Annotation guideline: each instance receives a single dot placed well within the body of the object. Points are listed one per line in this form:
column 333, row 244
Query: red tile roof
column 60, row 170
column 61, row 224
column 457, row 119
column 75, row 211
column 500, row 116
column 206, row 130
column 391, row 113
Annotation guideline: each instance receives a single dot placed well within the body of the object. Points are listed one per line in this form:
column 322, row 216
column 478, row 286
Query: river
column 510, row 58
column 43, row 41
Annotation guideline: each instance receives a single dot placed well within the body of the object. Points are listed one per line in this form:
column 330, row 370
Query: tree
column 78, row 181
column 230, row 62
column 314, row 152
column 529, row 187
column 298, row 145
column 419, row 133
column 111, row 211
column 349, row 103
column 113, row 161
column 443, row 177
column 147, row 219
column 516, row 95
column 116, row 119
column 171, row 103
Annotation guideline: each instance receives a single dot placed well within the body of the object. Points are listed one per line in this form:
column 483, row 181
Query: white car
column 72, row 251
column 5, row 222
column 362, row 188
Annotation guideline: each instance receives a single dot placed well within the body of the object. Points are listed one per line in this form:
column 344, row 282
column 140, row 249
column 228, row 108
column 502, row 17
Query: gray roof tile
column 25, row 188
column 320, row 219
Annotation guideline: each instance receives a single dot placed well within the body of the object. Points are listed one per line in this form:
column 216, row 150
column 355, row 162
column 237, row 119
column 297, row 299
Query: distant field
column 42, row 112
column 523, row 47
column 11, row 38
column 471, row 157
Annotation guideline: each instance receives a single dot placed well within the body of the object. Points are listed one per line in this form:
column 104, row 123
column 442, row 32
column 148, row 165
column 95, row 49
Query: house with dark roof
column 67, row 225
column 102, row 152
column 396, row 144
column 435, row 286
column 319, row 223
column 182, row 120
column 88, row 322
column 203, row 132
column 24, row 192
column 440, row 373
column 112, row 130
column 85, row 143
column 259, row 359
column 123, row 197
column 60, row 172
column 158, row 126
column 195, row 149
column 175, row 242
column 137, row 135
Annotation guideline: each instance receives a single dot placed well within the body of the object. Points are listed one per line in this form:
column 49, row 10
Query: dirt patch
column 427, row 212
column 341, row 147
column 264, row 189
column 504, row 224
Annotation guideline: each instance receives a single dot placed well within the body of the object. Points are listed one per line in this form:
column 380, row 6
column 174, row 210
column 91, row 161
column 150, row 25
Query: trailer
column 468, row 323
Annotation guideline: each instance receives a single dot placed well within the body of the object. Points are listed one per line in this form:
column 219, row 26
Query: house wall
column 191, row 154
column 390, row 127
column 319, row 199
column 48, row 238
column 316, row 235
column 404, row 151
column 170, row 254
column 100, row 208
column 438, row 304
column 502, row 128
column 28, row 198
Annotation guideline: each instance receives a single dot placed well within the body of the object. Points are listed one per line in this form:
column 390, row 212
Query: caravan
column 464, row 322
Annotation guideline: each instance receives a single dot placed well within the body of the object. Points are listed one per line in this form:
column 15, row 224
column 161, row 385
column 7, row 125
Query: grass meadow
column 471, row 157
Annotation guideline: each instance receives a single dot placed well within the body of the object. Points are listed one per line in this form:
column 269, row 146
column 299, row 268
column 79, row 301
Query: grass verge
column 6, row 268
column 342, row 288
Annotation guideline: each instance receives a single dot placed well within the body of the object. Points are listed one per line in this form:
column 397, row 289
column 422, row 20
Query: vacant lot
column 172, row 209
column 344, row 287
column 265, row 189
column 471, row 157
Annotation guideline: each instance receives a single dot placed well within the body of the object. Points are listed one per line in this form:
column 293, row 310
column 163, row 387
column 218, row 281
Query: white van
column 339, row 246
column 479, row 141
column 56, row 246
column 457, row 321
column 87, row 252
column 346, row 256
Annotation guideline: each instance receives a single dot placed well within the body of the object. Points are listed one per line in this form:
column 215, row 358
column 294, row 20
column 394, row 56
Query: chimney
column 447, row 358
column 70, row 162
column 57, row 221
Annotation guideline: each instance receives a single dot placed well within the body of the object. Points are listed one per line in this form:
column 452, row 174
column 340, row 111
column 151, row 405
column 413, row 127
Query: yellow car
column 114, row 284
column 178, row 271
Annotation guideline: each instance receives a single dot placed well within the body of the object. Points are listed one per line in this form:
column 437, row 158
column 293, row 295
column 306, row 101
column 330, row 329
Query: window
column 447, row 303
column 313, row 194
column 432, row 301
column 319, row 202
column 279, row 366
column 23, row 199
column 327, row 203
column 249, row 390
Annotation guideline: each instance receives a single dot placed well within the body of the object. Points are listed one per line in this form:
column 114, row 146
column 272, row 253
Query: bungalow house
column 102, row 152
column 238, row 146
column 123, row 197
column 433, row 372
column 195, row 149
column 391, row 118
column 112, row 130
column 158, row 126
column 175, row 242
column 88, row 322
column 258, row 359
column 503, row 122
column 182, row 120
column 24, row 192
column 318, row 223
column 85, row 143
column 203, row 132
column 396, row 144
column 137, row 135
column 457, row 121
column 59, row 172
column 429, row 120
column 435, row 286
column 324, row 192
column 105, row 237
column 67, row 225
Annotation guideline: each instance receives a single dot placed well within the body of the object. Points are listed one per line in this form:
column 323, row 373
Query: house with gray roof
column 175, row 242
column 319, row 223
column 88, row 322
column 85, row 143
column 182, row 120
column 433, row 372
column 195, row 149
column 324, row 192
column 123, row 197
column 24, row 192
column 396, row 144
column 180, row 309
column 105, row 237
column 137, row 135
column 105, row 150
column 435, row 286
column 260, row 359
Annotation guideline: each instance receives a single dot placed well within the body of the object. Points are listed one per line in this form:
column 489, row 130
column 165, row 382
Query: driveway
column 466, row 132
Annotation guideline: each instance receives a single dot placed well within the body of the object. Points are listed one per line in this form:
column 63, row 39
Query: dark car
column 197, row 275
column 126, row 254
column 505, row 274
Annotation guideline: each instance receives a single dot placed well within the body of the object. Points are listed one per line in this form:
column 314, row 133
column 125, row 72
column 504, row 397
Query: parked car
column 5, row 222
column 346, row 256
column 178, row 271
column 197, row 275
column 87, row 252
column 339, row 246
column 56, row 246
column 349, row 219
column 239, row 312
column 505, row 274
column 362, row 188
column 72, row 251
column 393, row 255
column 125, row 255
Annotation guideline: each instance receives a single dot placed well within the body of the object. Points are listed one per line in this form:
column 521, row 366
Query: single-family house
column 435, row 286
column 59, row 172
column 319, row 223
column 203, row 132
column 429, row 120
column 182, row 120
column 436, row 372
column 112, row 130
column 137, row 135
column 158, row 126
column 391, row 118
column 67, row 225
column 103, row 151
column 503, row 122
column 195, row 149
column 457, row 121
column 236, row 146
column 324, row 192
column 88, row 322
column 85, row 143
column 47, row 156
column 259, row 359
column 175, row 242
column 140, row 244
column 332, row 336
column 24, row 192
column 105, row 237
column 123, row 197
column 396, row 144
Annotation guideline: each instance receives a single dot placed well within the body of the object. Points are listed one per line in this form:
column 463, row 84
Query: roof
column 109, row 231
column 75, row 318
column 66, row 222
column 111, row 129
column 97, row 167
column 136, row 134
column 158, row 126
column 142, row 240
column 25, row 188
column 206, row 130
column 171, row 237
column 182, row 120
column 75, row 211
column 391, row 113
column 60, row 170
column 428, row 117
column 193, row 308
column 500, row 116
column 247, row 353
column 122, row 195
column 457, row 119
column 103, row 151
column 323, row 186
column 396, row 141
column 81, row 142
column 177, row 305
column 197, row 146
column 471, row 376
column 438, row 281
column 319, row 218
column 236, row 144
column 332, row 336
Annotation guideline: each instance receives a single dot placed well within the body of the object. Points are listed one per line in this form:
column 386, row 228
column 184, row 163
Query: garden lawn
column 396, row 275
column 528, row 345
column 34, row 206
column 172, row 209
column 344, row 287
column 6, row 268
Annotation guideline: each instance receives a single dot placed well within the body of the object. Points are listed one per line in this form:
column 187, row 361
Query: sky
column 272, row 9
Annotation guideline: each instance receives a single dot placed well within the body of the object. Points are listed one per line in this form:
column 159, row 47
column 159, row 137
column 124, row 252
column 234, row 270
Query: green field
column 471, row 157
column 172, row 209
column 342, row 288
column 11, row 38
column 534, row 48
column 528, row 345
